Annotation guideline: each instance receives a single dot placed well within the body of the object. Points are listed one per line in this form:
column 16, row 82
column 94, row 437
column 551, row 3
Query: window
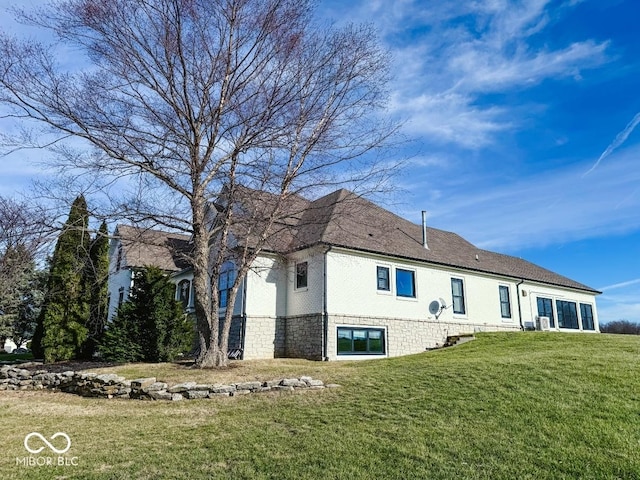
column 457, row 293
column 567, row 314
column 225, row 284
column 361, row 341
column 184, row 292
column 120, row 296
column 119, row 258
column 405, row 283
column 586, row 313
column 505, row 301
column 545, row 309
column 383, row 279
column 302, row 270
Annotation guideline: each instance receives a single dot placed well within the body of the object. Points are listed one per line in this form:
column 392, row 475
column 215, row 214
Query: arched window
column 184, row 292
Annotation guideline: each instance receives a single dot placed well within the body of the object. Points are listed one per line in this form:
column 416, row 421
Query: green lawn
column 10, row 357
column 512, row 406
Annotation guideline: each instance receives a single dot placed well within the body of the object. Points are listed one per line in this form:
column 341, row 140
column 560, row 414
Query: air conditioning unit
column 543, row 323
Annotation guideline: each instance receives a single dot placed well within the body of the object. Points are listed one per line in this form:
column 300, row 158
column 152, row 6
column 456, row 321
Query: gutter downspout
column 325, row 313
column 519, row 306
column 243, row 315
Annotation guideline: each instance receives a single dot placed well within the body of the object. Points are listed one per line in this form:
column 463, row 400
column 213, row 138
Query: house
column 347, row 279
column 133, row 248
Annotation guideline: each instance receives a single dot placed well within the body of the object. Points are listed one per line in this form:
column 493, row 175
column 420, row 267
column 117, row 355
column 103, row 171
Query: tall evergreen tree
column 151, row 325
column 62, row 323
column 96, row 276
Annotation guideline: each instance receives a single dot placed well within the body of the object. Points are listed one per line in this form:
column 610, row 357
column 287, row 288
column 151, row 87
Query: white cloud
column 552, row 207
column 620, row 285
column 617, row 142
column 450, row 53
column 449, row 117
column 488, row 71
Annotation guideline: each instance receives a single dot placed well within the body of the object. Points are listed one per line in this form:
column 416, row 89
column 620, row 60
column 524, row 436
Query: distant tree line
column 624, row 327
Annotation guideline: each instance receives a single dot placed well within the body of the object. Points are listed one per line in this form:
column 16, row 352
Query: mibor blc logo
column 47, row 443
column 35, row 443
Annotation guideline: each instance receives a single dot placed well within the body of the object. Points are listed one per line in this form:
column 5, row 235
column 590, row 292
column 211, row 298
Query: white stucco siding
column 119, row 278
column 529, row 303
column 267, row 288
column 352, row 290
column 351, row 287
column 481, row 298
column 306, row 300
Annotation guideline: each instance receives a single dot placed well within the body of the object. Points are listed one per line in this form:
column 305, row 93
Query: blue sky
column 524, row 118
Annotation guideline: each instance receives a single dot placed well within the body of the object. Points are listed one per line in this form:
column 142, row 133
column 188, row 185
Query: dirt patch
column 60, row 367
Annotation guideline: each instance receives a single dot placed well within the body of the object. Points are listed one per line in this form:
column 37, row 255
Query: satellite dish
column 434, row 307
column 437, row 307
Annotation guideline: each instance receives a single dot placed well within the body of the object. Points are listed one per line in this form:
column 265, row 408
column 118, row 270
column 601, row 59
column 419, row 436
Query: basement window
column 361, row 341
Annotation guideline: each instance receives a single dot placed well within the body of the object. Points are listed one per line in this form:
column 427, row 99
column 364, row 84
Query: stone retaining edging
column 110, row 385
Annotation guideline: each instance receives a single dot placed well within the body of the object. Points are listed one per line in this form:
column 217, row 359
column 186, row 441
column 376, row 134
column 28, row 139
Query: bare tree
column 23, row 232
column 193, row 102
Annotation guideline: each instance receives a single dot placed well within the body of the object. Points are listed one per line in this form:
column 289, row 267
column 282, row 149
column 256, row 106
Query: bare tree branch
column 184, row 102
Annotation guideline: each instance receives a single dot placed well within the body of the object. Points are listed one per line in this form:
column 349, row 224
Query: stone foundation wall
column 404, row 337
column 114, row 386
column 303, row 337
column 264, row 338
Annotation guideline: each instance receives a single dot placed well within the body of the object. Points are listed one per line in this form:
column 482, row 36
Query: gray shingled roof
column 346, row 220
column 144, row 247
column 340, row 219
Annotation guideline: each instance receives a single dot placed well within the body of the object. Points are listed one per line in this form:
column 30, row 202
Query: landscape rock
column 293, row 382
column 140, row 383
column 182, row 387
column 248, row 385
column 191, row 394
column 109, row 385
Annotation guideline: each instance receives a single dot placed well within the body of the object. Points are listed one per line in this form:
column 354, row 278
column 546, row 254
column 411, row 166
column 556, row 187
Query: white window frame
column 391, row 282
column 415, row 284
column 464, row 298
column 363, row 356
column 510, row 303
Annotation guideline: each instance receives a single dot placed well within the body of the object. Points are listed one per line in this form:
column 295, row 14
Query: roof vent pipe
column 424, row 230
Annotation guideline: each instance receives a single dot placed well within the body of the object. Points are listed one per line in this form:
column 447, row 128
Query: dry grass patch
column 237, row 371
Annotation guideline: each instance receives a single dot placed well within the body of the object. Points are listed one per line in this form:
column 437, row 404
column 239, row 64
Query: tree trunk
column 206, row 298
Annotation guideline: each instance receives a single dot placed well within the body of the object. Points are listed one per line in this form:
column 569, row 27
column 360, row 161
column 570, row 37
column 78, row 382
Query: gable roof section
column 345, row 220
column 142, row 247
